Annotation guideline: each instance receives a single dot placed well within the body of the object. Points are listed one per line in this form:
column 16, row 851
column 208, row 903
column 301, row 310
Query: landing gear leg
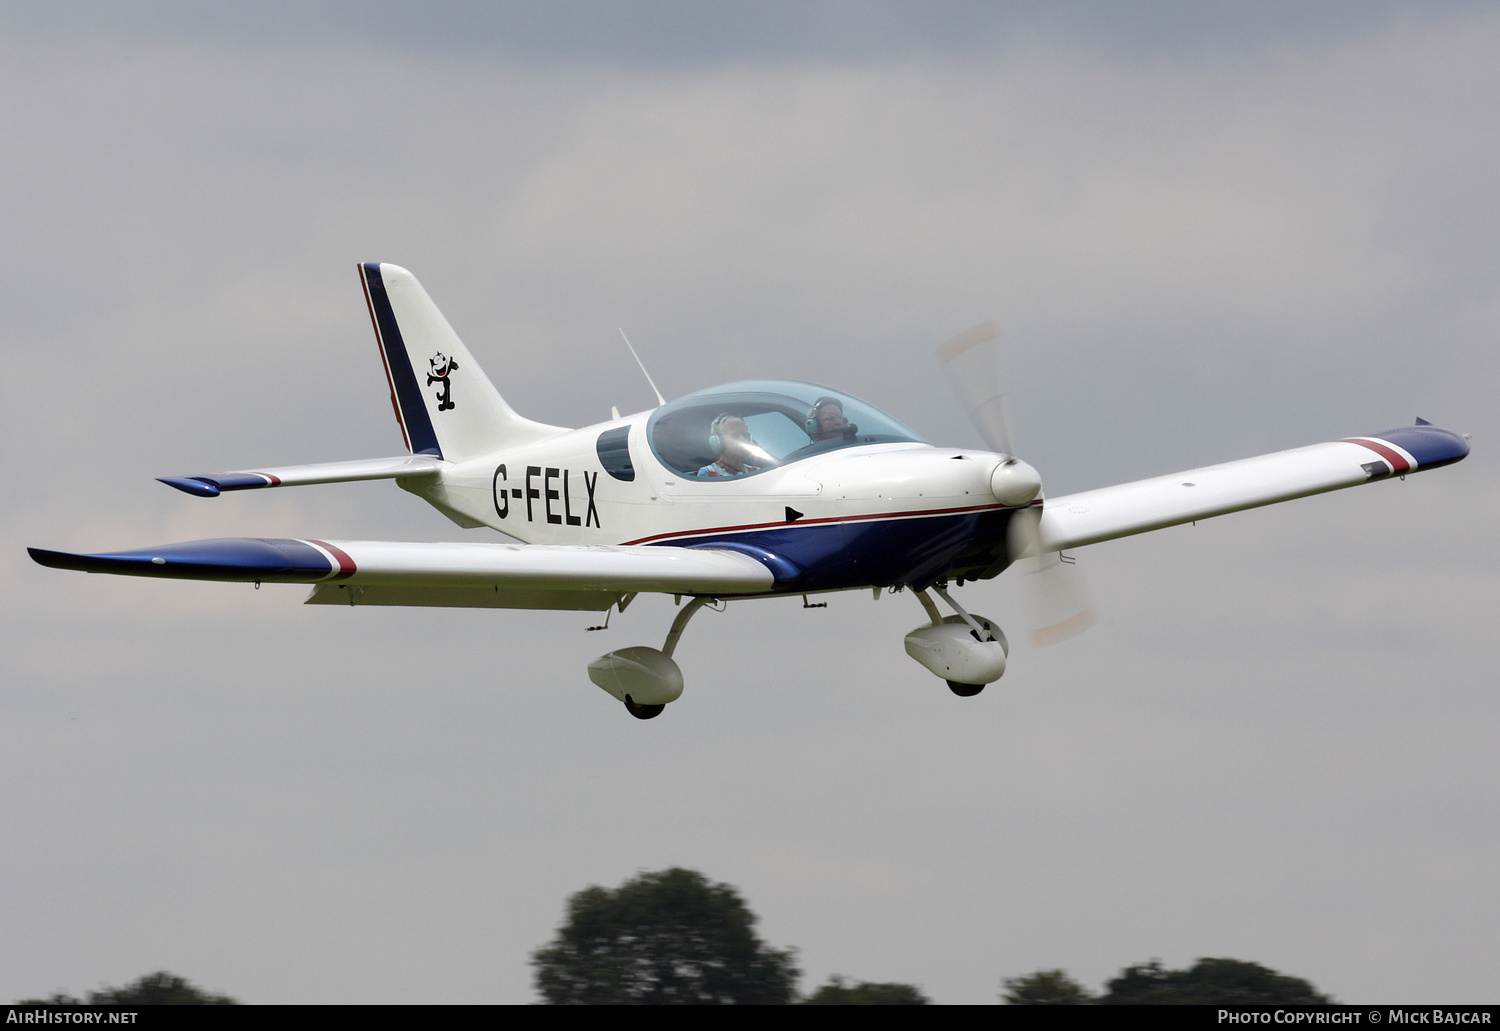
column 680, row 623
column 931, row 609
column 981, row 633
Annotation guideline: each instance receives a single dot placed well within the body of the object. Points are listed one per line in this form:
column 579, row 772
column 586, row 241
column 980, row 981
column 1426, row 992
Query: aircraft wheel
column 964, row 690
column 642, row 712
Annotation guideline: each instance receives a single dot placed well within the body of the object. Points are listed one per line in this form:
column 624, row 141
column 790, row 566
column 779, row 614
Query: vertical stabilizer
column 445, row 404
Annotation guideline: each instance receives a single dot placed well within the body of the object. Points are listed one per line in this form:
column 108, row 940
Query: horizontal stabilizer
column 399, row 467
column 1129, row 508
column 532, row 574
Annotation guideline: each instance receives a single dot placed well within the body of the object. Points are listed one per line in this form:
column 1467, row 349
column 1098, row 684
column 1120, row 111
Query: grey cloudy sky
column 1207, row 233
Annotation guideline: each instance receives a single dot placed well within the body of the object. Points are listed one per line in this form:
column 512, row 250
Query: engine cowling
column 953, row 651
column 641, row 675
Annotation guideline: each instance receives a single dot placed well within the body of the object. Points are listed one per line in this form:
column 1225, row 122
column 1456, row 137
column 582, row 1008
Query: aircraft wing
column 1074, row 520
column 210, row 485
column 482, row 575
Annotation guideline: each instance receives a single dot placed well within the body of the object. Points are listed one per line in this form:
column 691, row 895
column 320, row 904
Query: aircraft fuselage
column 873, row 515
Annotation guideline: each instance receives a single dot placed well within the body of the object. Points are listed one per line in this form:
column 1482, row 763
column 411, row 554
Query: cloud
column 1255, row 232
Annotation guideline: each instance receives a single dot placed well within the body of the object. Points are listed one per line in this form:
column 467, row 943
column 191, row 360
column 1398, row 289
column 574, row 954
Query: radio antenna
column 659, row 399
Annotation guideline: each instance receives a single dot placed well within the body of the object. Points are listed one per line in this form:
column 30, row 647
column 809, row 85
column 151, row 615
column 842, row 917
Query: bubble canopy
column 745, row 428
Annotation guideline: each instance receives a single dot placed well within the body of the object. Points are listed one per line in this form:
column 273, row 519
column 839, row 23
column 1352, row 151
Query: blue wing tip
column 241, row 559
column 194, row 485
column 1432, row 446
column 53, row 559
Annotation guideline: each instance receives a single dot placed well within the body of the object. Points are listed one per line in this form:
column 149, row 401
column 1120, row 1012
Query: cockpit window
column 746, row 428
column 614, row 453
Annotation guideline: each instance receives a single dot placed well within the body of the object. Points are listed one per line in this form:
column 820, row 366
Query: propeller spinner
column 1059, row 601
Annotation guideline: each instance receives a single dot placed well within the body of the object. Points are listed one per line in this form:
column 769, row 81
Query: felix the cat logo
column 442, row 367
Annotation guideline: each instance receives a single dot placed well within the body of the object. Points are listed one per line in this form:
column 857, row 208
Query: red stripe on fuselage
column 347, row 568
column 813, row 522
column 1398, row 464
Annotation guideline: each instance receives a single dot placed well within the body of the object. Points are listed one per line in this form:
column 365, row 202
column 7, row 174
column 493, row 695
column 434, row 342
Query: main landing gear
column 646, row 679
column 967, row 651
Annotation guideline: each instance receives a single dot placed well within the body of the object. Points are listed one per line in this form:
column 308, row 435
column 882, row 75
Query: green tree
column 665, row 937
column 839, row 992
column 1209, row 982
column 1045, row 988
column 158, row 989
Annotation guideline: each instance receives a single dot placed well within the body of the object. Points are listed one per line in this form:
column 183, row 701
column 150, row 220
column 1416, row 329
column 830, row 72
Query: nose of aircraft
column 1015, row 483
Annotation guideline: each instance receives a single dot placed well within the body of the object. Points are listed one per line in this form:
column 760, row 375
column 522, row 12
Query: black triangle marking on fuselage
column 792, row 515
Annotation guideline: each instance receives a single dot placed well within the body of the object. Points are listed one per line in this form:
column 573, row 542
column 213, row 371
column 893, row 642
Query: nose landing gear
column 966, row 651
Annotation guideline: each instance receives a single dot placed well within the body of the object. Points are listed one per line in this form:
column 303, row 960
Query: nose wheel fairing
column 965, row 650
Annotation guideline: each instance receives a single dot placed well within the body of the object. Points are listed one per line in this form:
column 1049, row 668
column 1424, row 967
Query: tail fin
column 443, row 401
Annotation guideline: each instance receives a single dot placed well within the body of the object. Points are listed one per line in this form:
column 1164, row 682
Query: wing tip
column 1432, row 446
column 228, row 559
column 55, row 559
column 198, row 486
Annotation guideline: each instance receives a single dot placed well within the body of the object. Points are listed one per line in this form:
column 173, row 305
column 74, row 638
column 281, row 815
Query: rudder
column 443, row 401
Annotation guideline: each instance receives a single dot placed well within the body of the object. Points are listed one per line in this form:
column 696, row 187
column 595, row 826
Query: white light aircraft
column 765, row 488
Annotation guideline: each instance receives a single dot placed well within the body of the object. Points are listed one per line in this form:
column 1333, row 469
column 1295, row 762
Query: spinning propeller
column 1059, row 601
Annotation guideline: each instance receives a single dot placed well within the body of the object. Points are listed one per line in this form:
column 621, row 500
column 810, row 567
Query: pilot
column 825, row 421
column 731, row 441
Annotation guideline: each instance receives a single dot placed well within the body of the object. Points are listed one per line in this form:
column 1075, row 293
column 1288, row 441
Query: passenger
column 731, row 441
column 825, row 421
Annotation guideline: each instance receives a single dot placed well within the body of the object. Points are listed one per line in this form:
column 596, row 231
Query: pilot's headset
column 715, row 441
column 810, row 424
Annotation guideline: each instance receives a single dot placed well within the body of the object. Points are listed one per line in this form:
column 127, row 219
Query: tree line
column 674, row 937
column 158, row 989
column 1208, row 982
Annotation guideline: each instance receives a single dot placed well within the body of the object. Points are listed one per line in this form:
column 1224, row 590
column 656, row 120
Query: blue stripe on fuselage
column 864, row 553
